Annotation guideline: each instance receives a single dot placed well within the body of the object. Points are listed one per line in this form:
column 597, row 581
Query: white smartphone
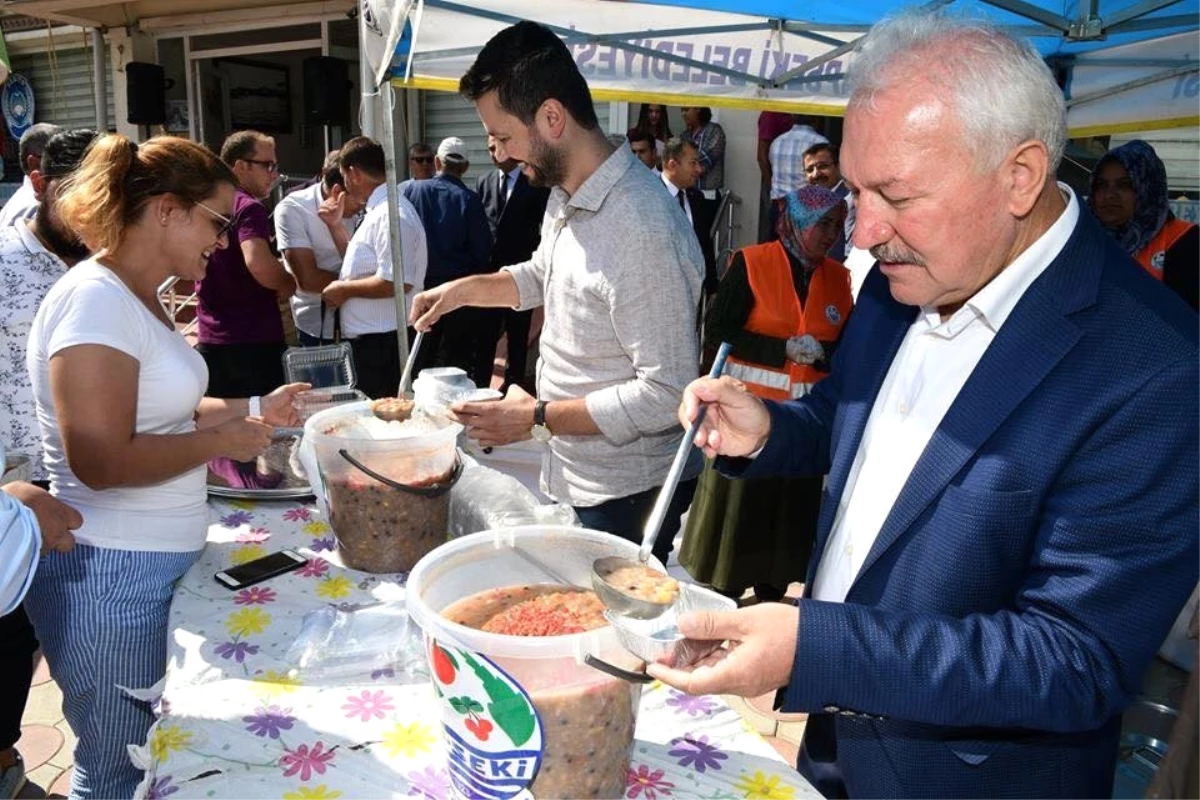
column 260, row 569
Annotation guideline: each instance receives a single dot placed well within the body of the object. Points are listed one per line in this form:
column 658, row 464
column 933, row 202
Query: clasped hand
column 804, row 349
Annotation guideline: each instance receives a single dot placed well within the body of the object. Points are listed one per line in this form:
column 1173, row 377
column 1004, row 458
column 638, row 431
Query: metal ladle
column 612, row 596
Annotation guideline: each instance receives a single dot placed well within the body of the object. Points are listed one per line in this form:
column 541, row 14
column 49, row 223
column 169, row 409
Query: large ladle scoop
column 634, row 588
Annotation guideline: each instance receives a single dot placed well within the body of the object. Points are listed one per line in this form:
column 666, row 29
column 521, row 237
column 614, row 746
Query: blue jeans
column 626, row 516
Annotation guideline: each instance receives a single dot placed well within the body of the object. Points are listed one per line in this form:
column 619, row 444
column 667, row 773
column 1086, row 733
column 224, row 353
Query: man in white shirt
column 787, row 156
column 1010, row 520
column 364, row 290
column 23, row 203
column 313, row 227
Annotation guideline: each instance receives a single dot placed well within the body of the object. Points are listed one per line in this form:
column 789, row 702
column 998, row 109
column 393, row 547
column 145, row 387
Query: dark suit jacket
column 1034, row 560
column 517, row 224
column 704, row 213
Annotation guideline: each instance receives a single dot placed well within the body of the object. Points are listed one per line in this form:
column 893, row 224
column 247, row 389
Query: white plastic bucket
column 387, row 500
column 552, row 724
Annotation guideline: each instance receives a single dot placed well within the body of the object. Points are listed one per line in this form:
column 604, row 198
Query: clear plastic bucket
column 525, row 712
column 387, row 500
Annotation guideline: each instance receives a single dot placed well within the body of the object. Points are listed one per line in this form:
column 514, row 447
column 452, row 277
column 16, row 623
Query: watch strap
column 539, row 413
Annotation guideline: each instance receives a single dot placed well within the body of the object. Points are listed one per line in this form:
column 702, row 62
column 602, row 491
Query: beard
column 545, row 161
column 65, row 245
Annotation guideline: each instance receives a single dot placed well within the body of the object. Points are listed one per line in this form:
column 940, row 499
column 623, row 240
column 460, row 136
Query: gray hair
column 33, row 142
column 1000, row 88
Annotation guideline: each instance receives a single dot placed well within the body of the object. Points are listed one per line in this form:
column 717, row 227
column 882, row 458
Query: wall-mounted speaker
column 326, row 91
column 145, row 93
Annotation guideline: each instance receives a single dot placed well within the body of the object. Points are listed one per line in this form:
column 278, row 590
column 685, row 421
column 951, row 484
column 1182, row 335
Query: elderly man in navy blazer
column 1010, row 435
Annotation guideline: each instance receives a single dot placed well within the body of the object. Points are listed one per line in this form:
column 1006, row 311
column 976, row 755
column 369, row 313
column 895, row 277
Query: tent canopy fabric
column 1124, row 64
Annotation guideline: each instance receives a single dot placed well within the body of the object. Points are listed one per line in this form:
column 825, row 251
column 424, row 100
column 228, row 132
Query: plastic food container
column 438, row 387
column 516, row 707
column 659, row 639
column 387, row 500
column 310, row 402
column 327, row 366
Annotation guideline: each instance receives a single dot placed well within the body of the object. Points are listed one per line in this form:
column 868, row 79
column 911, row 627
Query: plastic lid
column 330, row 366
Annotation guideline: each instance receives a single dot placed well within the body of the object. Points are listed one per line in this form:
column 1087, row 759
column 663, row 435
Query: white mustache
column 896, row 255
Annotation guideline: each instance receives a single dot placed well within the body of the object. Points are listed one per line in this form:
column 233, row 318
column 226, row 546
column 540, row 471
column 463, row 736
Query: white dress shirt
column 370, row 253
column 298, row 226
column 933, row 362
column 22, row 205
column 675, row 190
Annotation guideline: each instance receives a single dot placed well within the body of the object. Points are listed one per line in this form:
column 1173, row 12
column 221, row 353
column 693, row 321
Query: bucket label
column 493, row 732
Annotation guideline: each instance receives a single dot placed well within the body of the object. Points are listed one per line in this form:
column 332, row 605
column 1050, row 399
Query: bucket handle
column 616, row 672
column 433, row 490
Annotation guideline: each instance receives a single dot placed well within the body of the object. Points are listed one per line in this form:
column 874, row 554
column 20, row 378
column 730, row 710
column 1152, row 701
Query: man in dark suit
column 1009, row 526
column 514, row 211
column 680, row 171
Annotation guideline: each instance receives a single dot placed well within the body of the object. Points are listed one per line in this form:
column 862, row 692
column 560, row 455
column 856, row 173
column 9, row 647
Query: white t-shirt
column 22, row 205
column 27, row 272
column 298, row 226
column 370, row 253
column 91, row 305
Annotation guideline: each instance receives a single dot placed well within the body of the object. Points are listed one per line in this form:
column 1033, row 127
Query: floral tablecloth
column 233, row 723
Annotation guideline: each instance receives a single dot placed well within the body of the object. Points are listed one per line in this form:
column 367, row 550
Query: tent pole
column 368, row 116
column 393, row 204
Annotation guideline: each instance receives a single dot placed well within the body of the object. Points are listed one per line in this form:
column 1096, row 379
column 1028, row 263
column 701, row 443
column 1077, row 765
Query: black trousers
column 626, row 516
column 18, row 644
column 466, row 339
column 243, row 370
column 377, row 363
column 516, row 328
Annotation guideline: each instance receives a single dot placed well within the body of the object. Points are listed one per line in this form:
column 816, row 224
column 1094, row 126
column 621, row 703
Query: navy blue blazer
column 1034, row 560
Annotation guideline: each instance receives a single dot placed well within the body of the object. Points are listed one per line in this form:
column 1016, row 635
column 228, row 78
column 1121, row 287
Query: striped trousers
column 101, row 616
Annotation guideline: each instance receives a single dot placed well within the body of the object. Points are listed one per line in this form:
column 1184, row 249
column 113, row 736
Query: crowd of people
column 994, row 526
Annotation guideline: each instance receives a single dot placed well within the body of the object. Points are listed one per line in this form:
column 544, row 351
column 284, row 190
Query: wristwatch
column 539, row 431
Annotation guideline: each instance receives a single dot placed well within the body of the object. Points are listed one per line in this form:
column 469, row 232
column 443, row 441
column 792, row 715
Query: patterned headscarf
column 800, row 209
column 1149, row 179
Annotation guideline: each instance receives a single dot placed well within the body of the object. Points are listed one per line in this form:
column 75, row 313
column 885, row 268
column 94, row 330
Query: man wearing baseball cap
column 460, row 244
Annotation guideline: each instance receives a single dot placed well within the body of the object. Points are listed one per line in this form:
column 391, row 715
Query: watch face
column 540, row 433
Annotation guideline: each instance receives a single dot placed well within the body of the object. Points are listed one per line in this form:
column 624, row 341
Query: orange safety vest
column 1152, row 256
column 777, row 313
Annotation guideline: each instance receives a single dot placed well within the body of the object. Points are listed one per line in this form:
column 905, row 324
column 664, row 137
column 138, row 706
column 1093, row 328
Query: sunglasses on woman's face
column 224, row 223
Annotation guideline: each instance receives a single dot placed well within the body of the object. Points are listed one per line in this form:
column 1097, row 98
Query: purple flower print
column 429, row 784
column 647, row 781
column 161, row 788
column 315, row 568
column 236, row 519
column 236, row 650
column 269, row 722
column 693, row 706
column 695, row 752
column 326, row 543
column 297, row 514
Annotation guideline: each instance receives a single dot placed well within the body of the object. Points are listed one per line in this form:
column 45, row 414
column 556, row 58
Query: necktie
column 682, row 201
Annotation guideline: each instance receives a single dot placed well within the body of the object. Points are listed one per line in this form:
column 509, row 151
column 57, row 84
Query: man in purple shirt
column 240, row 328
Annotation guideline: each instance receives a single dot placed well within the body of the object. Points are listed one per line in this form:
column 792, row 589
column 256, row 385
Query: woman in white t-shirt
column 127, row 432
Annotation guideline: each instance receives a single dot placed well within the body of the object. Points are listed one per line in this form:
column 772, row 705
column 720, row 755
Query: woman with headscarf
column 1129, row 197
column 782, row 305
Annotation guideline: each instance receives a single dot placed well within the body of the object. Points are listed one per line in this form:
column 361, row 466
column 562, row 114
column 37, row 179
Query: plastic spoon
column 612, row 596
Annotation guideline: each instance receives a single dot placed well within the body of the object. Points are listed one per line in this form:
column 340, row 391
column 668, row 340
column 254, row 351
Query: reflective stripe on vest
column 778, row 385
column 1152, row 256
column 777, row 313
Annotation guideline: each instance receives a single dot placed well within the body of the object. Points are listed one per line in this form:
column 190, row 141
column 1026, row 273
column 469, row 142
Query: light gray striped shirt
column 619, row 271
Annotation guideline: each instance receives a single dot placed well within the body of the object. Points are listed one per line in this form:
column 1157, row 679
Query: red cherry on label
column 482, row 728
